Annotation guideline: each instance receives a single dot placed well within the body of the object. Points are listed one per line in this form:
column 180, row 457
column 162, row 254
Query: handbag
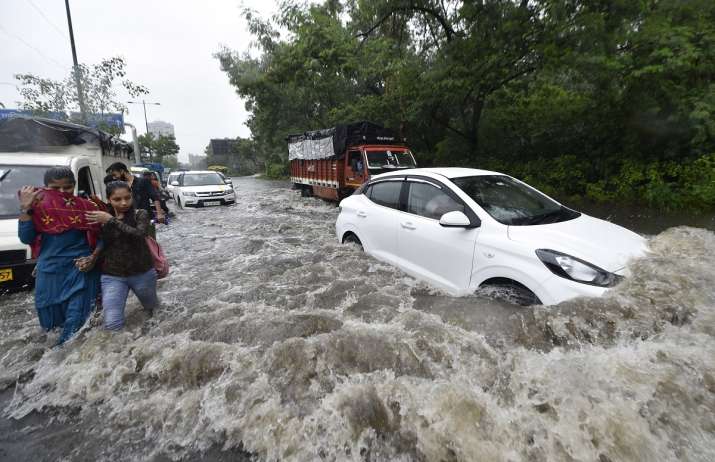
column 161, row 264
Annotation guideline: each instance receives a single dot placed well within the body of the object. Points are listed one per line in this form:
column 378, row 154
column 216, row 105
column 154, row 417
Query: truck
column 28, row 147
column 332, row 163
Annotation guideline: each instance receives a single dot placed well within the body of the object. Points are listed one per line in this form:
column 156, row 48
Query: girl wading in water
column 127, row 262
column 52, row 222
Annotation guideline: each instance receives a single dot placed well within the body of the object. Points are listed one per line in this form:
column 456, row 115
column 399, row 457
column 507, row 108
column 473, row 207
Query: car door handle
column 361, row 214
column 408, row 225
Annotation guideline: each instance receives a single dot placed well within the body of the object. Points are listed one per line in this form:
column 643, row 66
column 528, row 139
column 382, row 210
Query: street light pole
column 146, row 121
column 77, row 79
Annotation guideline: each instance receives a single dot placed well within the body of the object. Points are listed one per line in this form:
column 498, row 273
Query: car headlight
column 228, row 191
column 576, row 269
column 188, row 193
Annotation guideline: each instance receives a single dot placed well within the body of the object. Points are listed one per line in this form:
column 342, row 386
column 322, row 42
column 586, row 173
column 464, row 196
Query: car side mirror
column 174, row 183
column 227, row 181
column 455, row 219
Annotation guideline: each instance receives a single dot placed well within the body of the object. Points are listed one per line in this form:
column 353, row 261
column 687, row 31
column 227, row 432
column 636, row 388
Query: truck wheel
column 307, row 191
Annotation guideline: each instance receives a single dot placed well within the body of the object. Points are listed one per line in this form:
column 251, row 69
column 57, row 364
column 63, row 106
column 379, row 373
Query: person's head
column 119, row 171
column 108, row 179
column 60, row 179
column 120, row 196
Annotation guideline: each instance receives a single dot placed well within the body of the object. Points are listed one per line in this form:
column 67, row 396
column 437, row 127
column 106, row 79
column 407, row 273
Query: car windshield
column 202, row 179
column 511, row 202
column 389, row 159
column 14, row 177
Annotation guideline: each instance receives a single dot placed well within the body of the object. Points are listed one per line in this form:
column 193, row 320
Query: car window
column 202, row 179
column 386, row 193
column 511, row 202
column 429, row 201
column 85, row 186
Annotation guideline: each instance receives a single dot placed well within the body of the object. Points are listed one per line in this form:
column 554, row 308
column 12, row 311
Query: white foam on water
column 275, row 337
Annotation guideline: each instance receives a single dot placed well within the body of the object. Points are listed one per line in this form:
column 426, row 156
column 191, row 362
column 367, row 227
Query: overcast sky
column 168, row 46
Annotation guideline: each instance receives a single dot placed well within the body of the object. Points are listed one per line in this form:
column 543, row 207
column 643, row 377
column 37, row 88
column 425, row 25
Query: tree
column 100, row 83
column 161, row 149
column 574, row 95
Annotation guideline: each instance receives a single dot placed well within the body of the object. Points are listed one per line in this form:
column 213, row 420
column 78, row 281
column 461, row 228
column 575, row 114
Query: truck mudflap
column 16, row 276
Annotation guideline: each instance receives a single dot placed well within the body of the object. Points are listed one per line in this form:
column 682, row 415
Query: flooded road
column 275, row 340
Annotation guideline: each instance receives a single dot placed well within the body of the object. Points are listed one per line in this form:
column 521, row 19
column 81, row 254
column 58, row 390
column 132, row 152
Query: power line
column 21, row 40
column 54, row 26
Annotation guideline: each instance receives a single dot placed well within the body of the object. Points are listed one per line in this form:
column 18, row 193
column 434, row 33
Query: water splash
column 275, row 338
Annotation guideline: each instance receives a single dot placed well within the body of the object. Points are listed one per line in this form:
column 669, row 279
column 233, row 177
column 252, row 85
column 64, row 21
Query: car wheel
column 509, row 291
column 351, row 238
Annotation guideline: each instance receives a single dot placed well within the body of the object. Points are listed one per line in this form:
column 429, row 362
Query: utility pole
column 77, row 79
column 146, row 121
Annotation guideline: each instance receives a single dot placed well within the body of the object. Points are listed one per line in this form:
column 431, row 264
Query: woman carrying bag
column 126, row 258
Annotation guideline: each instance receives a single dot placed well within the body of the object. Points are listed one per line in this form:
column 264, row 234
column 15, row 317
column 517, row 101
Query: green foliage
column 606, row 100
column 219, row 168
column 277, row 171
column 161, row 149
column 99, row 90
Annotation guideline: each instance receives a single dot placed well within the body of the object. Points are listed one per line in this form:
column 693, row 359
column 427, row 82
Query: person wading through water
column 52, row 222
column 127, row 262
column 143, row 192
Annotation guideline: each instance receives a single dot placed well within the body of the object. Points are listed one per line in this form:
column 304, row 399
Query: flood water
column 275, row 341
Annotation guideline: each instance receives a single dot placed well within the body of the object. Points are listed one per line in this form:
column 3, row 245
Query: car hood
column 208, row 188
column 599, row 242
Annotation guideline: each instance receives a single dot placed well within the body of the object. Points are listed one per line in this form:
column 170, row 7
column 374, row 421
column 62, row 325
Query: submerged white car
column 459, row 229
column 201, row 189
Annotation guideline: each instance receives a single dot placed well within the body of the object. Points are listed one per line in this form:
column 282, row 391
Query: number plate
column 5, row 274
column 212, row 203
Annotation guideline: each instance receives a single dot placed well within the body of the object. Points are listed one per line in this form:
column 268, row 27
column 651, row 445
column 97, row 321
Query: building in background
column 197, row 162
column 160, row 128
column 224, row 152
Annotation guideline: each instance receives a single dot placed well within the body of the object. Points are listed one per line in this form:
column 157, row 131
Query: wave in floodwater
column 276, row 339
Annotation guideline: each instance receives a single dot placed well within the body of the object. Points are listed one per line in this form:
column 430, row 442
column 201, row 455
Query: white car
column 201, row 188
column 459, row 229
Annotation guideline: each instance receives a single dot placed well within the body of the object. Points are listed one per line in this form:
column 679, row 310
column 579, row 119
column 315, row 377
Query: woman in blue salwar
column 66, row 287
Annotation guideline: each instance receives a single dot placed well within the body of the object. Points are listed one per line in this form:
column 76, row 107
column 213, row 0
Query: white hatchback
column 460, row 229
column 201, row 189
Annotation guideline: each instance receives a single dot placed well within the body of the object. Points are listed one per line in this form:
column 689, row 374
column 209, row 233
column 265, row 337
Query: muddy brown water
column 275, row 342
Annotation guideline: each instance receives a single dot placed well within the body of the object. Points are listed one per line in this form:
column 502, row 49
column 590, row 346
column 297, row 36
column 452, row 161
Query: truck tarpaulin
column 333, row 142
column 23, row 133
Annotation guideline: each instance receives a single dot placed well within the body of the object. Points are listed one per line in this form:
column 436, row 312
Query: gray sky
column 167, row 45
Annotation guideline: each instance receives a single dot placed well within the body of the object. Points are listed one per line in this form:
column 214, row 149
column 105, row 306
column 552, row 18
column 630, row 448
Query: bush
column 276, row 171
column 665, row 185
column 219, row 168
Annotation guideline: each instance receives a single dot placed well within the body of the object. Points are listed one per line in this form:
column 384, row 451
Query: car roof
column 448, row 172
column 197, row 171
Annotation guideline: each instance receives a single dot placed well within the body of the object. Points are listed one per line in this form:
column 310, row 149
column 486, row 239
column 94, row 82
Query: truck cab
column 363, row 162
column 25, row 164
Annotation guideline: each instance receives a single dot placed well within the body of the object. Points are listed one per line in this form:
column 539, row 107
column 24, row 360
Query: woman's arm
column 141, row 229
column 26, row 230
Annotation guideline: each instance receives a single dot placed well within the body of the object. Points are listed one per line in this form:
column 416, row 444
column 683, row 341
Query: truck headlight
column 575, row 269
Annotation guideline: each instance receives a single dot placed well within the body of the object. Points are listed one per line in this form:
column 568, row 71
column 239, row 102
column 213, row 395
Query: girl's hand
column 28, row 196
column 97, row 217
column 85, row 264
